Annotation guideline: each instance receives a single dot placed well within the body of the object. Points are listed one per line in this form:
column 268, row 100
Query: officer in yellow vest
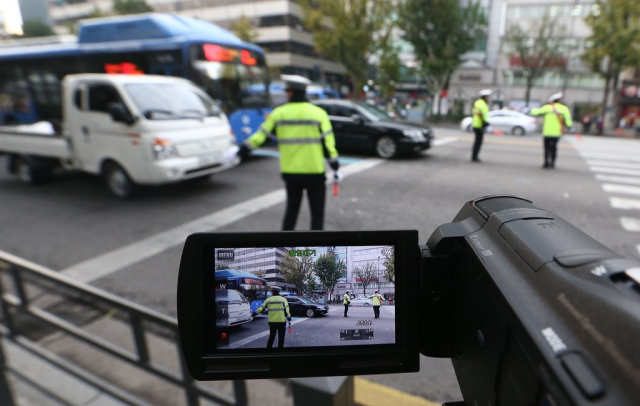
column 480, row 122
column 557, row 118
column 305, row 138
column 346, row 301
column 278, row 308
column 377, row 301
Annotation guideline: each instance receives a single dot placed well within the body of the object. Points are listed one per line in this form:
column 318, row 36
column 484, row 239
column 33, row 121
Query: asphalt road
column 132, row 248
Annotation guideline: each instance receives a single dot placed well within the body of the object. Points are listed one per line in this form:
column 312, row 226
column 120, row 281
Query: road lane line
column 624, row 204
column 613, row 164
column 621, row 157
column 630, row 224
column 110, row 262
column 618, row 179
column 624, row 189
column 443, row 141
column 254, row 337
column 616, row 171
column 275, row 154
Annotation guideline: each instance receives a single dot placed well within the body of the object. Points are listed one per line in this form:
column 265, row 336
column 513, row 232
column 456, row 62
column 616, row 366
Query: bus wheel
column 310, row 313
column 118, row 181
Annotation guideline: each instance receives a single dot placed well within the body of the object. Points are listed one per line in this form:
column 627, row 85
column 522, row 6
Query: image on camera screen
column 311, row 296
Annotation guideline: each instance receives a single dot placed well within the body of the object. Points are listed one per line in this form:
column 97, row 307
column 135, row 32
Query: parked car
column 232, row 308
column 362, row 127
column 362, row 302
column 305, row 307
column 509, row 121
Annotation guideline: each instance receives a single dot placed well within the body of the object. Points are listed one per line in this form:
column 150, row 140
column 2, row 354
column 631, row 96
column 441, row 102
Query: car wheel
column 386, row 147
column 366, row 305
column 310, row 313
column 118, row 181
column 518, row 131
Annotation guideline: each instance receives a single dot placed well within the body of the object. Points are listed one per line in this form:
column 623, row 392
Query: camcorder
column 531, row 310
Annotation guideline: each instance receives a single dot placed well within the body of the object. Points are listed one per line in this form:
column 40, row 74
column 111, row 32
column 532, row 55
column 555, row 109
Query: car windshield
column 170, row 101
column 229, row 296
column 372, row 113
column 305, row 300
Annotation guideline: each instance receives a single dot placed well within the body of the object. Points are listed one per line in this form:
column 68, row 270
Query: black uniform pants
column 376, row 311
column 477, row 143
column 281, row 329
column 316, row 193
column 346, row 309
column 550, row 150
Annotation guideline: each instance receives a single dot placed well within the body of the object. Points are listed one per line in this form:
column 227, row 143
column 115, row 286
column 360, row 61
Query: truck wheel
column 118, row 181
column 27, row 172
column 386, row 147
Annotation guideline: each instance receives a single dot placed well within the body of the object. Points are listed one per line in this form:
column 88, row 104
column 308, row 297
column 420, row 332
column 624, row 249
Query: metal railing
column 16, row 302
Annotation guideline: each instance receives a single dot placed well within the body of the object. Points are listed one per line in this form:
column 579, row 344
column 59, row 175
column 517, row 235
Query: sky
column 12, row 19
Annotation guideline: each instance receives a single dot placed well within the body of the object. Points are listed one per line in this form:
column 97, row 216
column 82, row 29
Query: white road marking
column 624, row 189
column 617, row 157
column 616, row 171
column 614, row 164
column 624, row 204
column 110, row 262
column 438, row 142
column 254, row 337
column 630, row 224
column 618, row 179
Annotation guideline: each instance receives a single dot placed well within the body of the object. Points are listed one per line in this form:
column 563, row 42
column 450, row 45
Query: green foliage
column 329, row 269
column 366, row 275
column 131, row 7
column 244, row 29
column 35, row 28
column 537, row 48
column 349, row 31
column 297, row 270
column 389, row 264
column 388, row 70
column 440, row 32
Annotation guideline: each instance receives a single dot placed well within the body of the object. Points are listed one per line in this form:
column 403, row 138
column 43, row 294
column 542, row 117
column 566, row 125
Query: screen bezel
column 205, row 364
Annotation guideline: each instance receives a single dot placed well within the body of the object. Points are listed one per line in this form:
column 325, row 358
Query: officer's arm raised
column 267, row 129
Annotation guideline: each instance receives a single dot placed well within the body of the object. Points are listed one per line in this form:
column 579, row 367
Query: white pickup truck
column 130, row 129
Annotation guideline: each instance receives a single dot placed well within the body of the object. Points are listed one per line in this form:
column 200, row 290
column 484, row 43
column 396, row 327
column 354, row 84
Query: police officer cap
column 276, row 289
column 485, row 92
column 295, row 82
column 556, row 96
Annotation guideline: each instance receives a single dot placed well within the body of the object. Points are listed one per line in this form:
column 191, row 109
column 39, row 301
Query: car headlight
column 414, row 134
column 163, row 149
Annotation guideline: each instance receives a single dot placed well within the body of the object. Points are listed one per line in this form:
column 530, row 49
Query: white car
column 232, row 309
column 362, row 302
column 508, row 121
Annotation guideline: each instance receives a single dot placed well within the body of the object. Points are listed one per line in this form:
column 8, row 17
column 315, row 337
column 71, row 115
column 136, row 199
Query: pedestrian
column 586, row 124
column 278, row 308
column 305, row 138
column 557, row 117
column 599, row 124
column 636, row 124
column 346, row 300
column 377, row 301
column 480, row 122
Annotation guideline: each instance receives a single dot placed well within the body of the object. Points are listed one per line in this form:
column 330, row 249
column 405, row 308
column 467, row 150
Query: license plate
column 209, row 160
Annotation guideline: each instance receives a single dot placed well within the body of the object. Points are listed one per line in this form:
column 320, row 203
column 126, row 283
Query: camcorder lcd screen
column 334, row 295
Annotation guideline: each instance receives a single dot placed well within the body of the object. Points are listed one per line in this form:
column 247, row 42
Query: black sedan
column 359, row 126
column 301, row 306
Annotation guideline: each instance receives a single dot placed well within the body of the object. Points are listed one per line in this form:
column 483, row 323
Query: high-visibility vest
column 346, row 299
column 377, row 299
column 480, row 113
column 301, row 129
column 278, row 308
column 557, row 117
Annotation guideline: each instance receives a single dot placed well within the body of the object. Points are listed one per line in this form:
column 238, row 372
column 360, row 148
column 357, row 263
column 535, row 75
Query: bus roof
column 232, row 273
column 152, row 31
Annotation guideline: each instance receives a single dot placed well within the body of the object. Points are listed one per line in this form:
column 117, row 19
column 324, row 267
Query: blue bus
column 160, row 44
column 252, row 287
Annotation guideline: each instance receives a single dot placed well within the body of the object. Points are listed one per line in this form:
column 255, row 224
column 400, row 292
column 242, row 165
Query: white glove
column 337, row 177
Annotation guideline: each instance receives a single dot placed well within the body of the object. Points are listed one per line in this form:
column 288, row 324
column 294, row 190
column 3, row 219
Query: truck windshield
column 169, row 101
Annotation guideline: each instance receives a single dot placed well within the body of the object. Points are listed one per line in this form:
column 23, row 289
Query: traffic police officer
column 278, row 308
column 346, row 300
column 305, row 138
column 480, row 122
column 557, row 117
column 377, row 301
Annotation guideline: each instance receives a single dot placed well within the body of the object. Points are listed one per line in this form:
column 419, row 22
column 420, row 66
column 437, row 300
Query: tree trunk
column 527, row 93
column 604, row 100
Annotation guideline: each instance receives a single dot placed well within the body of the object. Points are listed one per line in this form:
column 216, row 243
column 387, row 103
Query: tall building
column 260, row 261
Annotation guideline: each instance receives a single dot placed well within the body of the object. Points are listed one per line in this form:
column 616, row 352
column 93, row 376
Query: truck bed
column 22, row 142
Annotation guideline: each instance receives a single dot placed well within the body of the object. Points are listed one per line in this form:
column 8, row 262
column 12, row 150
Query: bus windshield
column 161, row 101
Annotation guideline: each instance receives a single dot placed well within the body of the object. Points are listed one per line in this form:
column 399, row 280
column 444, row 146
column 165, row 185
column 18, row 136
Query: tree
column 35, row 28
column 616, row 41
column 245, row 29
column 388, row 70
column 296, row 270
column 329, row 269
column 538, row 53
column 440, row 32
column 366, row 274
column 389, row 272
column 222, row 267
column 131, row 7
column 349, row 31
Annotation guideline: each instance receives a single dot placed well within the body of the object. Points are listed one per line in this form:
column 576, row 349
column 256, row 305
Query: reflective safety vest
column 346, row 299
column 557, row 117
column 377, row 299
column 480, row 113
column 302, row 130
column 278, row 308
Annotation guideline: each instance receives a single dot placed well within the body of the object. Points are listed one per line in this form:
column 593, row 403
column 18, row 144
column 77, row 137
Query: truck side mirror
column 120, row 113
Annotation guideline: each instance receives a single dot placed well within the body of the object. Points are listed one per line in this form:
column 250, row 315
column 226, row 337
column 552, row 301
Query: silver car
column 507, row 121
column 232, row 308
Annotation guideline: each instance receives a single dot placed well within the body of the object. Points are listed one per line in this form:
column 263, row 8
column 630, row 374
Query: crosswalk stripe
column 619, row 157
column 617, row 171
column 630, row 224
column 618, row 179
column 624, row 204
column 613, row 164
column 625, row 189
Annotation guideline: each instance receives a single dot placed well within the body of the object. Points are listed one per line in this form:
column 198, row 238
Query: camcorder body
column 530, row 310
